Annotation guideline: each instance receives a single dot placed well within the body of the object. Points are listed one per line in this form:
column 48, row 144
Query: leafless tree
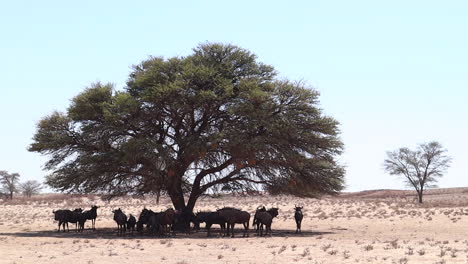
column 420, row 168
column 30, row 188
column 9, row 182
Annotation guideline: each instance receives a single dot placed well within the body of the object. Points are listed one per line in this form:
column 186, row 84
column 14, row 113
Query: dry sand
column 367, row 227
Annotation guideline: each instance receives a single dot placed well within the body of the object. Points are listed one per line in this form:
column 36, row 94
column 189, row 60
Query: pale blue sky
column 394, row 73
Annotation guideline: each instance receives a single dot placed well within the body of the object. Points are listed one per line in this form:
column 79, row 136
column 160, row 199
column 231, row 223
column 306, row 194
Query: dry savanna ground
column 367, row 227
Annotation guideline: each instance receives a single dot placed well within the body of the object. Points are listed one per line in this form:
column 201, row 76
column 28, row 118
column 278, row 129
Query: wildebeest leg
column 222, row 228
column 208, row 227
column 232, row 229
column 226, row 233
column 229, row 227
column 161, row 230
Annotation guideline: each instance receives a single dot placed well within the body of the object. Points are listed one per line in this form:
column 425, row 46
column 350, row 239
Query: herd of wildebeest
column 167, row 222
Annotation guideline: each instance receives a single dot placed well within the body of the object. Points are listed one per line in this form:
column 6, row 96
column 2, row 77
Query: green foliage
column 191, row 125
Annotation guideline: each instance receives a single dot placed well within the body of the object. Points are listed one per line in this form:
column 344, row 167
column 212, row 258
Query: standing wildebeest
column 298, row 217
column 150, row 219
column 143, row 219
column 121, row 219
column 60, row 216
column 255, row 223
column 266, row 218
column 210, row 218
column 91, row 215
column 131, row 223
column 67, row 216
column 235, row 216
column 166, row 220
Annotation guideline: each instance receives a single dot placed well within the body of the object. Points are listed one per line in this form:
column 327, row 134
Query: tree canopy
column 30, row 188
column 9, row 182
column 420, row 168
column 216, row 119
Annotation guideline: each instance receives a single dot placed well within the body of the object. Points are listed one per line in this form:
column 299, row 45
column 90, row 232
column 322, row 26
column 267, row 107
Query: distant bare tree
column 9, row 182
column 30, row 188
column 420, row 168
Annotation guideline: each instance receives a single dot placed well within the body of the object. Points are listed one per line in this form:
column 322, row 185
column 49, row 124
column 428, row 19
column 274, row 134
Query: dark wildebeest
column 150, row 219
column 91, row 215
column 255, row 223
column 131, row 223
column 121, row 219
column 67, row 216
column 143, row 219
column 210, row 218
column 235, row 216
column 60, row 216
column 298, row 217
column 166, row 220
column 266, row 218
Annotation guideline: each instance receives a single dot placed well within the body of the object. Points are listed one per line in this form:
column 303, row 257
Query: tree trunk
column 195, row 192
column 177, row 199
column 192, row 199
column 158, row 195
column 175, row 192
column 11, row 195
column 420, row 196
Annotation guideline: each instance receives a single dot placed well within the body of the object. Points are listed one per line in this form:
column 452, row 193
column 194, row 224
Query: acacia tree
column 30, row 188
column 420, row 168
column 9, row 182
column 216, row 119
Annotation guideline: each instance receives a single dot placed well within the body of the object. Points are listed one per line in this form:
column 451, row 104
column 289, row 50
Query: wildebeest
column 67, row 216
column 131, row 223
column 298, row 217
column 266, row 218
column 166, row 220
column 91, row 215
column 143, row 219
column 210, row 218
column 235, row 216
column 121, row 219
column 156, row 222
column 150, row 219
column 255, row 222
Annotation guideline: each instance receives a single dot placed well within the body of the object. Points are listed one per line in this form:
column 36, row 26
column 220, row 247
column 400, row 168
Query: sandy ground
column 375, row 227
